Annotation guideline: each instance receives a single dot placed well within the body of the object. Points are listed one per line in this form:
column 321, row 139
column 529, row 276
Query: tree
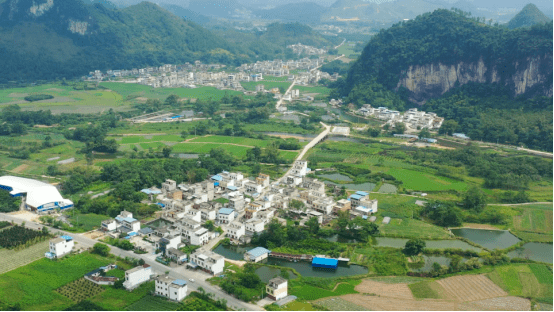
column 141, row 262
column 374, row 131
column 448, row 127
column 166, row 151
column 424, row 133
column 414, row 247
column 119, row 284
column 313, row 225
column 399, row 128
column 475, row 199
column 184, row 135
column 101, row 249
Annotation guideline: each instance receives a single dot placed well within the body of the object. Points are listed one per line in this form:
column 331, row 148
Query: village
column 197, row 217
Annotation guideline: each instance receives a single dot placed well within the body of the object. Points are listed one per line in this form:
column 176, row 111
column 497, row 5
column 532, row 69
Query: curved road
column 179, row 272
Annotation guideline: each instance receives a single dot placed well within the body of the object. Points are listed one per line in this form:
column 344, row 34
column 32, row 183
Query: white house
column 257, row 254
column 236, row 230
column 136, row 276
column 253, row 188
column 277, row 288
column 254, row 225
column 208, row 261
column 125, row 219
column 207, row 214
column 109, row 225
column 170, row 241
column 60, row 246
column 176, row 255
column 226, row 215
column 300, row 168
column 174, row 289
column 199, row 237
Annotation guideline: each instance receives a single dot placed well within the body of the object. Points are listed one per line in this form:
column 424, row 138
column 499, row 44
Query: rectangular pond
column 365, row 187
column 336, row 177
column 489, row 239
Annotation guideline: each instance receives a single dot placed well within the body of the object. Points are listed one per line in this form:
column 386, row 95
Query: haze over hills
column 528, row 16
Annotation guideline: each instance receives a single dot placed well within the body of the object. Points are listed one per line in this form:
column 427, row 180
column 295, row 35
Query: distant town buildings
column 412, row 118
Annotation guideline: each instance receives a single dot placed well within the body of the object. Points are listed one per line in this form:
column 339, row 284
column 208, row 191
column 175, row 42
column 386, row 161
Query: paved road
column 176, row 272
column 288, row 90
column 308, row 146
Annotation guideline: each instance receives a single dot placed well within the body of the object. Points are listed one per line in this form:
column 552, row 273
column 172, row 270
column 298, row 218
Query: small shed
column 257, row 254
column 386, row 220
column 372, row 219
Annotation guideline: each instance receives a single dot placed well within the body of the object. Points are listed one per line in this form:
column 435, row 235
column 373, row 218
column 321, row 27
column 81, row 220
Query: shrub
column 38, row 97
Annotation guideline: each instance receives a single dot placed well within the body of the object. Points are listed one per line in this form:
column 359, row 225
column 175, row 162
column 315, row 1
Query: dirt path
column 20, row 168
column 479, row 226
column 522, row 204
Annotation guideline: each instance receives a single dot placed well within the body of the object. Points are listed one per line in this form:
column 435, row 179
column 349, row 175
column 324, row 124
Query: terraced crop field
column 80, row 290
column 339, row 304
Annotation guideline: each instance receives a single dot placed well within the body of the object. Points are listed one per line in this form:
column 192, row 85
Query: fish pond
column 533, row 251
column 336, row 177
column 489, row 239
column 366, row 187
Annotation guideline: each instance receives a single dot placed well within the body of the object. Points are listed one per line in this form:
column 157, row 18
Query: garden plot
column 388, row 188
column 80, row 290
column 471, row 288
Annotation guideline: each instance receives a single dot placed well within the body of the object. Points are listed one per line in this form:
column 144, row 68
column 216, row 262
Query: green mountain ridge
column 457, row 43
column 530, row 15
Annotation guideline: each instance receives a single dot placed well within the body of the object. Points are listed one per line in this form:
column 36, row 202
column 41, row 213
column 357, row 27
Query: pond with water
column 302, row 267
column 336, row 177
column 490, row 239
column 533, row 251
column 339, row 239
column 429, row 260
column 158, row 223
column 366, row 187
column 266, row 273
column 431, row 244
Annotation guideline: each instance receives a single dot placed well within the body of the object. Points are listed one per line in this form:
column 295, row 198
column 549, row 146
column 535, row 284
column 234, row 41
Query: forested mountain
column 437, row 51
column 529, row 16
column 303, row 12
column 186, row 14
column 489, row 82
column 69, row 38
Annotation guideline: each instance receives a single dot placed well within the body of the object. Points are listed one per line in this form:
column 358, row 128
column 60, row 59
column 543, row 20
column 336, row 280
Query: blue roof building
column 257, row 254
column 180, row 282
column 232, row 188
column 356, row 196
column 325, row 263
column 217, row 177
column 226, row 211
column 362, row 193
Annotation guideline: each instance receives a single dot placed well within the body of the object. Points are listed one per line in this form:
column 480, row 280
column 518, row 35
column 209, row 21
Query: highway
column 179, row 272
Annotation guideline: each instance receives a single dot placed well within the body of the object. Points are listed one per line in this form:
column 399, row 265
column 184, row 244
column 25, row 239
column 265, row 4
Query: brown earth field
column 460, row 293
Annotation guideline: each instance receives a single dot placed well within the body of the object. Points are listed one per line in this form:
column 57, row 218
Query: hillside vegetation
column 530, row 15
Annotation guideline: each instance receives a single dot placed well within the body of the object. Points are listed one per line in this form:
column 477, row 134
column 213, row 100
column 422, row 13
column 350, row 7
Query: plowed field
column 471, row 288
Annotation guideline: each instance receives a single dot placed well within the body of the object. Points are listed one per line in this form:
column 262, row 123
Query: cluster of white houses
column 412, row 117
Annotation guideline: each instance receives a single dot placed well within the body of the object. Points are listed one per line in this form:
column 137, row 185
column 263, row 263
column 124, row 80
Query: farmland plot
column 80, row 290
column 471, row 288
column 339, row 304
column 12, row 259
column 151, row 303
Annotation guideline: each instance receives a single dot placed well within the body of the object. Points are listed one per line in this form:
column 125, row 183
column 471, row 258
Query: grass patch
column 151, row 303
column 12, row 259
column 339, row 304
column 33, row 285
column 542, row 273
column 87, row 222
column 530, row 281
column 411, row 228
column 308, row 292
column 426, row 290
column 118, row 299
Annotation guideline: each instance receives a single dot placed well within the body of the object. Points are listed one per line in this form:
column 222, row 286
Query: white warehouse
column 36, row 195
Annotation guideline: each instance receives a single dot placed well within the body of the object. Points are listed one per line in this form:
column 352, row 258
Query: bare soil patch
column 479, row 226
column 20, row 168
column 141, row 99
column 470, row 288
column 401, row 291
column 501, row 304
column 27, row 215
column 15, row 95
column 94, row 234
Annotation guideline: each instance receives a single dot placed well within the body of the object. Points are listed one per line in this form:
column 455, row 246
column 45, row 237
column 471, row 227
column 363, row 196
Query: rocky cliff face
column 432, row 80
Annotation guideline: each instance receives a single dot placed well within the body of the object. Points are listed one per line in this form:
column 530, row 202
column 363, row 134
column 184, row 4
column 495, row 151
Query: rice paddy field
column 12, row 259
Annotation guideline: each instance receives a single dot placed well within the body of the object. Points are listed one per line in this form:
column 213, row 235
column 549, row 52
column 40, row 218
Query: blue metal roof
column 362, row 193
column 364, row 217
column 149, row 191
column 355, row 196
column 217, row 177
column 66, row 237
column 258, row 251
column 226, row 211
column 161, row 205
column 129, row 219
column 180, row 282
column 119, row 219
column 325, row 262
column 232, row 188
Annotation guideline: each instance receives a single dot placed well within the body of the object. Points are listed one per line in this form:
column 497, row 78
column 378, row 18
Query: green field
column 205, row 148
column 347, row 50
column 151, row 303
column 130, row 90
column 318, row 89
column 426, row 290
column 34, row 285
column 80, row 290
column 420, row 181
column 410, row 228
column 308, row 292
column 231, row 140
column 530, row 281
column 87, row 222
column 118, row 299
column 339, row 304
column 12, row 259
